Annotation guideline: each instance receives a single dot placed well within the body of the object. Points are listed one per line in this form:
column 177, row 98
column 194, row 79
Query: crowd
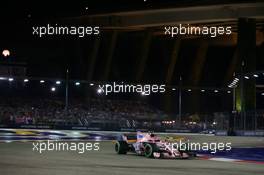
column 52, row 111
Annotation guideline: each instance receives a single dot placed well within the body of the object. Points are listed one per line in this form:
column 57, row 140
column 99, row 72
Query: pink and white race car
column 149, row 145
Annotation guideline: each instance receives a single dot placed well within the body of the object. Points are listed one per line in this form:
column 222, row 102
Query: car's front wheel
column 121, row 147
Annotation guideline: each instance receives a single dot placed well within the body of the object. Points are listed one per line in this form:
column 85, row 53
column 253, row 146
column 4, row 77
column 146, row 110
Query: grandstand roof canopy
column 132, row 19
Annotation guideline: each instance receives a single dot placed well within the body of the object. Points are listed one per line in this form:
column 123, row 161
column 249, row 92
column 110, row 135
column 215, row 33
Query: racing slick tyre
column 121, row 147
column 189, row 152
column 150, row 149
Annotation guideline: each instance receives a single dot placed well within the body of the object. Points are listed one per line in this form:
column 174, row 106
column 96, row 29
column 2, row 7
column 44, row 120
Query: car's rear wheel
column 150, row 149
column 187, row 151
column 121, row 147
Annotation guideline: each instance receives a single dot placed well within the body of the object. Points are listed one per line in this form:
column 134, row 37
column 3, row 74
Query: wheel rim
column 148, row 151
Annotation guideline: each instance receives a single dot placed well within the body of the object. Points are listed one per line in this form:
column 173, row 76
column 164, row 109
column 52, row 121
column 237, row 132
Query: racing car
column 150, row 146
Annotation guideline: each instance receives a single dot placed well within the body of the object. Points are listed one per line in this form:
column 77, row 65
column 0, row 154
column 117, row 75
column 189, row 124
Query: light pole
column 243, row 116
column 180, row 101
column 234, row 106
column 234, row 112
column 67, row 91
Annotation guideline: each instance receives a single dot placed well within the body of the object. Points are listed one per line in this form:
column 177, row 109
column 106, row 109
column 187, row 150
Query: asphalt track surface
column 18, row 158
